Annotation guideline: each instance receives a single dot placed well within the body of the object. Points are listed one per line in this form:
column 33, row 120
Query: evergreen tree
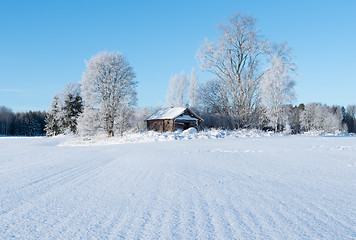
column 73, row 107
column 28, row 124
column 53, row 118
column 6, row 117
column 64, row 111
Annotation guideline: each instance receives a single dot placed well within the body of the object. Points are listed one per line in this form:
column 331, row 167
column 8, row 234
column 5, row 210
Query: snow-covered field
column 232, row 186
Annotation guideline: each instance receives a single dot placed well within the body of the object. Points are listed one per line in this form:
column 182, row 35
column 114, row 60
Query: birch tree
column 108, row 89
column 234, row 60
column 193, row 92
column 177, row 91
column 277, row 85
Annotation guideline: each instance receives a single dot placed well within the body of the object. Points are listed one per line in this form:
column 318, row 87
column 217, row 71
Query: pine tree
column 73, row 107
column 53, row 118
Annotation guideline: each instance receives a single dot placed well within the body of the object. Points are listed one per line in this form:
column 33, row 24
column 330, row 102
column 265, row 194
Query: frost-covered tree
column 90, row 121
column 234, row 60
column 139, row 116
column 125, row 118
column 61, row 117
column 177, row 91
column 277, row 84
column 108, row 91
column 54, row 117
column 72, row 107
column 214, row 105
column 320, row 117
column 286, row 118
column 193, row 92
column 214, row 98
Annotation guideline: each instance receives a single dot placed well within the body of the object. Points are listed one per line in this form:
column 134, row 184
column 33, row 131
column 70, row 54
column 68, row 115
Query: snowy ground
column 238, row 187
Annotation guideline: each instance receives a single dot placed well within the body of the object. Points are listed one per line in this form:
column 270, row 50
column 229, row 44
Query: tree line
column 21, row 124
column 251, row 86
column 204, row 99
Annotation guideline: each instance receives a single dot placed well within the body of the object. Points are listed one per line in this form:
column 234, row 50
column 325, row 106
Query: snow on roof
column 186, row 117
column 167, row 113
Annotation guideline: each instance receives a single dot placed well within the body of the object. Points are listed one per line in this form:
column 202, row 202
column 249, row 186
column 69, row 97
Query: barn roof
column 171, row 113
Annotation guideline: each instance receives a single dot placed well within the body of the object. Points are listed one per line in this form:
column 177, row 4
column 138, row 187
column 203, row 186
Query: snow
column 184, row 185
column 187, row 117
column 153, row 136
column 167, row 113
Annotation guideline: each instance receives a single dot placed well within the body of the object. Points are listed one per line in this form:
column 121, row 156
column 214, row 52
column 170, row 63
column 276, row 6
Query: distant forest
column 22, row 124
column 33, row 123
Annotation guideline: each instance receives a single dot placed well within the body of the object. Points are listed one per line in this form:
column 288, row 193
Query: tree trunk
column 110, row 133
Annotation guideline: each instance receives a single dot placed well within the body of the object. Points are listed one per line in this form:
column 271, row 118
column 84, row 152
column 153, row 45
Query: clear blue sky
column 43, row 44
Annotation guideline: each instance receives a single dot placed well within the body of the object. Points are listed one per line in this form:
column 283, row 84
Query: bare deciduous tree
column 193, row 90
column 234, row 60
column 277, row 85
column 214, row 97
column 177, row 95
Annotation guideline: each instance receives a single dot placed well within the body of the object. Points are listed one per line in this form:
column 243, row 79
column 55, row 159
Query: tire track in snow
column 160, row 193
column 49, row 186
column 93, row 182
column 42, row 184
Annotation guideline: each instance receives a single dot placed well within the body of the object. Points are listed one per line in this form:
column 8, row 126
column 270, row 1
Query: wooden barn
column 172, row 119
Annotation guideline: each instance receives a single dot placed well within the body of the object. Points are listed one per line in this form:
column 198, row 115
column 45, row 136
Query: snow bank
column 153, row 136
column 326, row 133
column 189, row 134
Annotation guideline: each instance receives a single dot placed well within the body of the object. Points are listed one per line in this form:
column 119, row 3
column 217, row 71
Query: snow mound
column 190, row 131
column 325, row 133
column 153, row 136
column 189, row 134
